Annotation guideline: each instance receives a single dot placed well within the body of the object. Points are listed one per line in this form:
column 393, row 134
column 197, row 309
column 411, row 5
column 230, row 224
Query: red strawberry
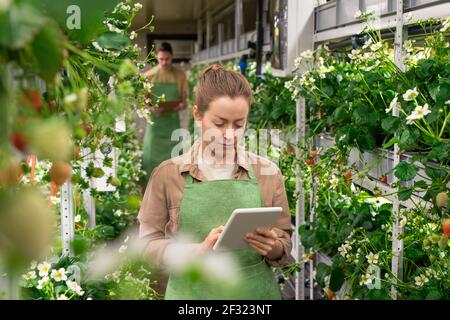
column 384, row 179
column 60, row 172
column 52, row 105
column 34, row 97
column 330, row 294
column 19, row 141
column 290, row 150
column 309, row 162
column 313, row 153
column 347, row 175
column 446, row 227
column 88, row 128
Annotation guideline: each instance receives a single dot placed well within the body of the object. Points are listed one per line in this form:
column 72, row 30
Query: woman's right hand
column 210, row 240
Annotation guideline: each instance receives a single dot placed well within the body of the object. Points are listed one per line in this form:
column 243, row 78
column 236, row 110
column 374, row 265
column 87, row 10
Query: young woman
column 169, row 81
column 196, row 192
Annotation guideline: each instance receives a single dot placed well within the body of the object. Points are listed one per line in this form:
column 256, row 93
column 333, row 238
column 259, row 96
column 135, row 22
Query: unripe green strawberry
column 432, row 258
column 443, row 242
column 435, row 238
column 442, row 199
column 426, row 243
column 98, row 173
column 114, row 181
column 133, row 202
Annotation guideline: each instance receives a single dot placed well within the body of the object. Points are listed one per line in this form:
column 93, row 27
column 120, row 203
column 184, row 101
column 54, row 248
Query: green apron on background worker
column 158, row 144
column 222, row 197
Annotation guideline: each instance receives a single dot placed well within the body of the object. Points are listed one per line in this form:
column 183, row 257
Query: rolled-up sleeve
column 154, row 216
column 283, row 226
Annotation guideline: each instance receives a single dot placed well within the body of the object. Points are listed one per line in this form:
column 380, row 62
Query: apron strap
column 172, row 71
column 251, row 174
column 188, row 178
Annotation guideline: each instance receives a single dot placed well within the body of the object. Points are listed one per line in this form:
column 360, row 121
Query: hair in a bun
column 216, row 82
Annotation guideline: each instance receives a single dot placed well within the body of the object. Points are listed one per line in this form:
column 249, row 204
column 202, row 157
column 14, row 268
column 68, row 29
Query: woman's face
column 164, row 59
column 223, row 124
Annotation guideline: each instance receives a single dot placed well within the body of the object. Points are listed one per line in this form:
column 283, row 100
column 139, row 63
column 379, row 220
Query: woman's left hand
column 265, row 242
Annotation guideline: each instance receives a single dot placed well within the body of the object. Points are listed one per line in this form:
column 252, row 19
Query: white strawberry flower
column 408, row 45
column 372, row 258
column 354, row 54
column 365, row 280
column 133, row 35
column 418, row 113
column 59, row 275
column 394, row 103
column 44, row 269
column 344, row 249
column 73, row 286
column 77, row 218
column 34, row 262
column 334, row 182
column 42, row 281
column 421, row 280
column 367, row 44
column 63, row 297
column 445, row 25
column 410, row 94
column 123, row 248
column 376, row 46
column 308, row 54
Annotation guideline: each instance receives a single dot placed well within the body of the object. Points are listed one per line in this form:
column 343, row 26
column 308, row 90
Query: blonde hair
column 216, row 82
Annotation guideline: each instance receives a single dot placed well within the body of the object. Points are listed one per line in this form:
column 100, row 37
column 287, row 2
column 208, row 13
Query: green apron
column 206, row 205
column 157, row 141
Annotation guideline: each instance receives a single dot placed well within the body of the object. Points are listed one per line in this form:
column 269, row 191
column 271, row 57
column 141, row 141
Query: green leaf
column 434, row 294
column 390, row 143
column 105, row 231
column 366, row 141
column 48, row 50
column 336, row 279
column 390, row 124
column 378, row 294
column 408, row 138
column 322, row 270
column 363, row 116
column 340, row 114
column 404, row 193
column 19, row 25
column 420, row 184
column 435, row 174
column 90, row 18
column 113, row 40
column 367, row 225
column 440, row 152
column 406, row 171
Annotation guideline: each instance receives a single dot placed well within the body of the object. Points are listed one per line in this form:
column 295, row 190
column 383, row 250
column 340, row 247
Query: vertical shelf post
column 238, row 21
column 67, row 218
column 300, row 207
column 397, row 244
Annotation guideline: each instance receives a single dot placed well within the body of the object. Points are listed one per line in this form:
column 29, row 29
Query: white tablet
column 243, row 221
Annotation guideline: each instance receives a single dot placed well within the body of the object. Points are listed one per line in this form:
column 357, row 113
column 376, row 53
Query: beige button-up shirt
column 160, row 209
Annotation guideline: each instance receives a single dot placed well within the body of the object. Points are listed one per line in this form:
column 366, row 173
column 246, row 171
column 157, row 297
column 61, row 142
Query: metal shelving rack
column 232, row 48
column 333, row 22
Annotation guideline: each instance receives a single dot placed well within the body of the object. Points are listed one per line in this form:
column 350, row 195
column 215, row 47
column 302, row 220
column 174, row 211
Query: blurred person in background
column 170, row 82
